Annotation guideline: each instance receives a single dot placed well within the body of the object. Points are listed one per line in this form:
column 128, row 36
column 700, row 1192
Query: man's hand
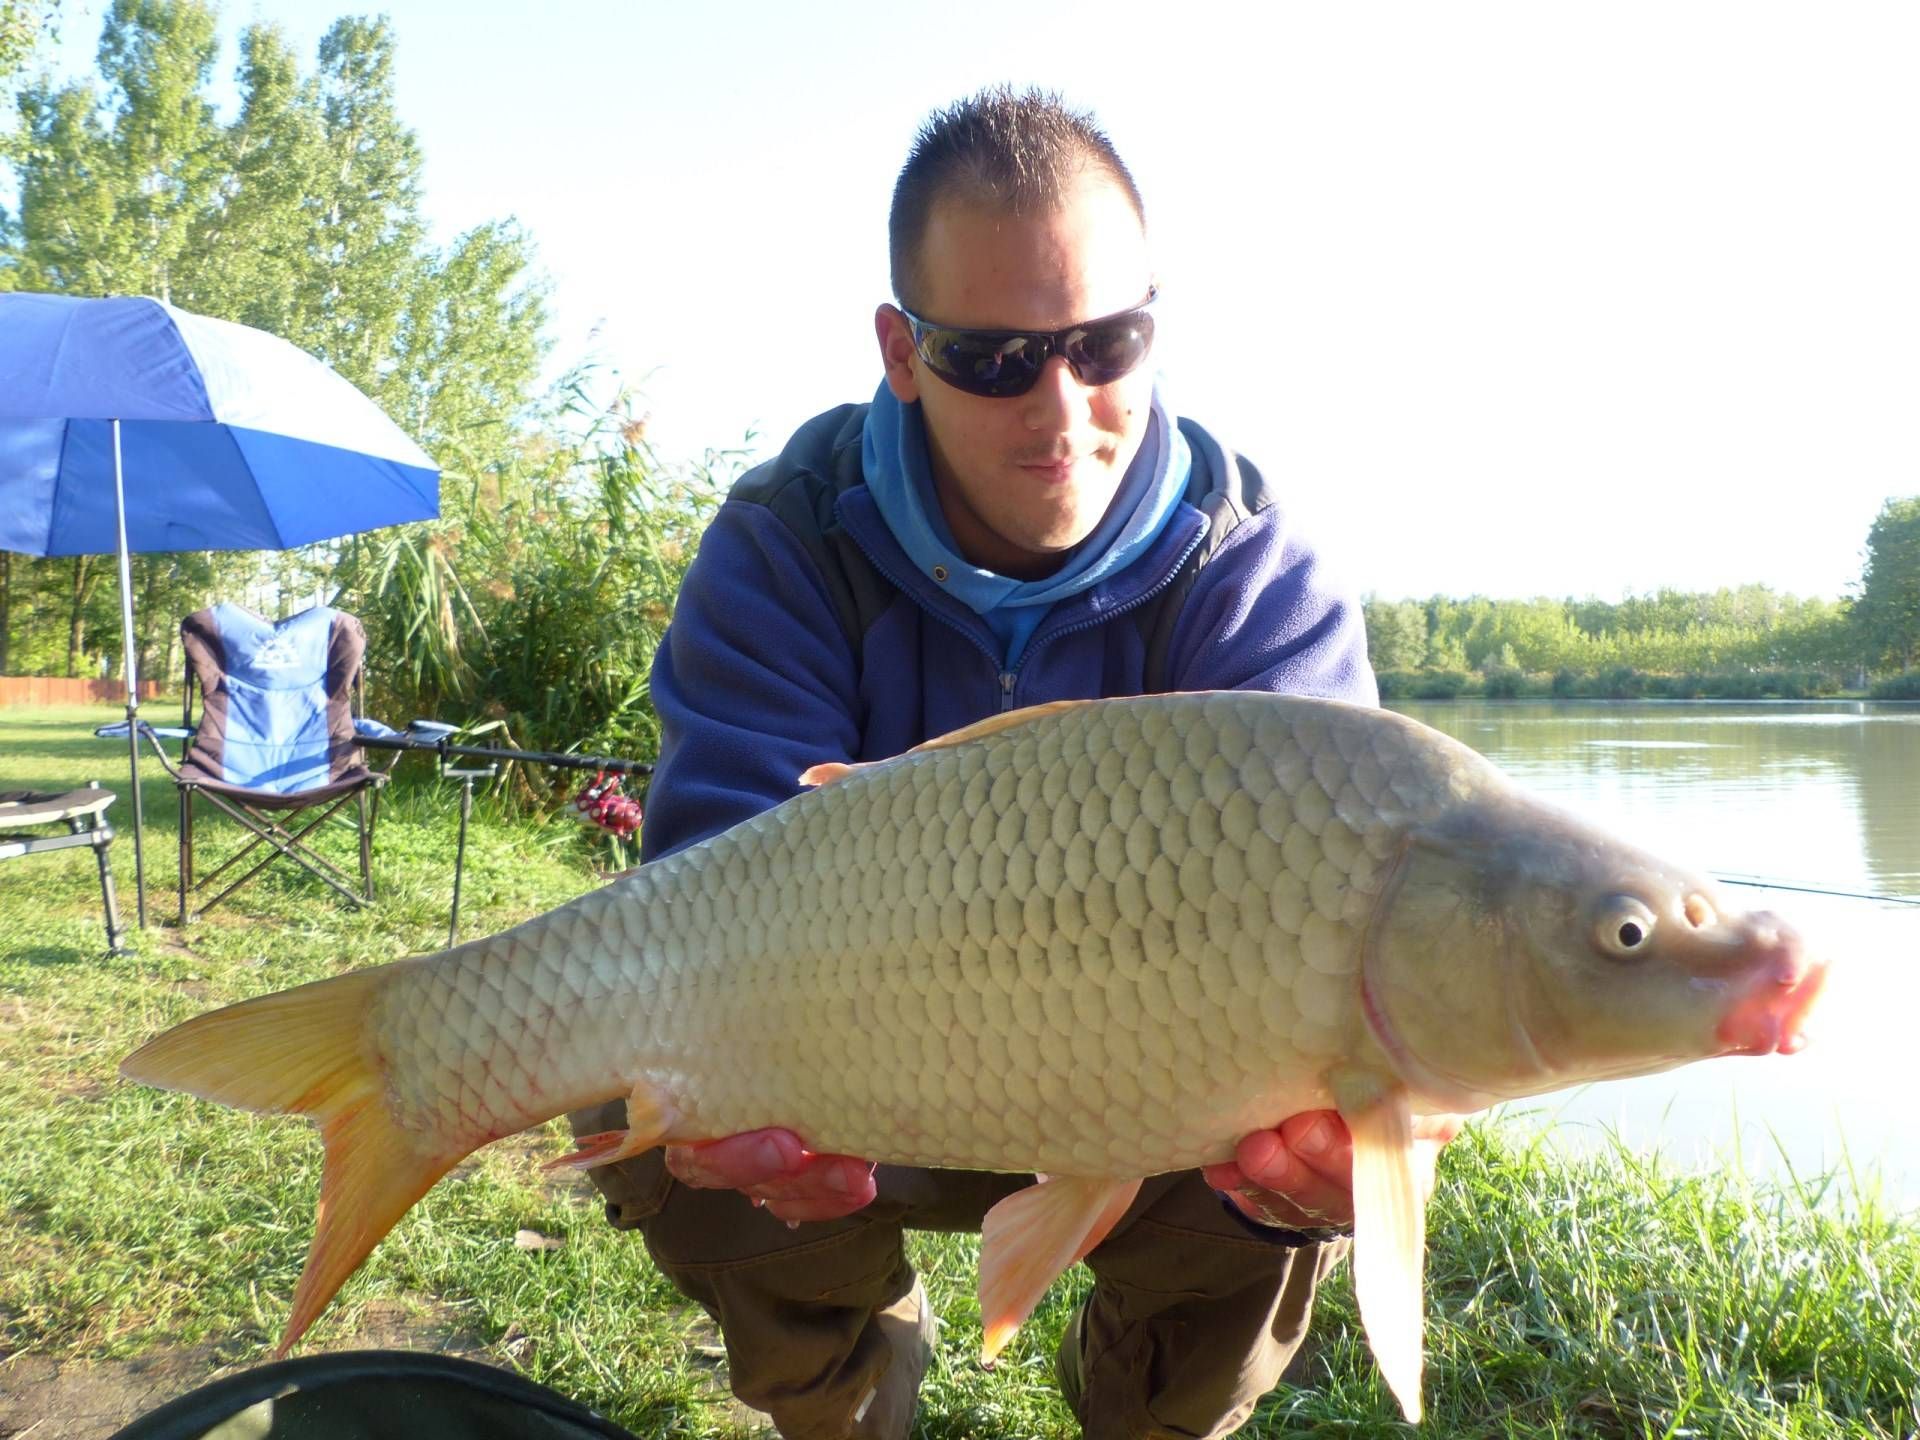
column 1296, row 1176
column 1299, row 1176
column 777, row 1171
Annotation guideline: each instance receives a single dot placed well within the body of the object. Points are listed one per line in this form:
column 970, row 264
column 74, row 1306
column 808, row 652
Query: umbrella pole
column 131, row 667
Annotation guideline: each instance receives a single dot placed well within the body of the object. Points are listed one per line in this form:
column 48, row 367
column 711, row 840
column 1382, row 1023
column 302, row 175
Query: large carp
column 1097, row 940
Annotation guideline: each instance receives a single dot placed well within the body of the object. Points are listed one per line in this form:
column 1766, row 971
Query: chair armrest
column 118, row 731
column 154, row 734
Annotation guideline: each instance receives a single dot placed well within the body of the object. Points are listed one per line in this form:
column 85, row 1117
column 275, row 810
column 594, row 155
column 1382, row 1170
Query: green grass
column 1607, row 1296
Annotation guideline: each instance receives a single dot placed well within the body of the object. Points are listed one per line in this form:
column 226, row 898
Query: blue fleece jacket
column 757, row 678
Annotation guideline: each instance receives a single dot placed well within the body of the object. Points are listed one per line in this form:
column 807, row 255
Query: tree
column 111, row 190
column 1396, row 634
column 256, row 241
column 22, row 24
column 300, row 217
column 366, row 234
column 1886, row 615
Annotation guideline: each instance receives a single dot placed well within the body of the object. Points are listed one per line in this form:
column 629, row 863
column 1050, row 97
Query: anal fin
column 1389, row 1229
column 650, row 1116
column 1034, row 1234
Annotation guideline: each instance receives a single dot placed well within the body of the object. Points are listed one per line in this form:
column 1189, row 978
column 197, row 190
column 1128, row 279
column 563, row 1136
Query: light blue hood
column 900, row 477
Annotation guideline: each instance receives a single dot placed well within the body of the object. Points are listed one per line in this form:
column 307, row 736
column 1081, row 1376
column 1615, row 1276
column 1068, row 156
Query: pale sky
column 1510, row 298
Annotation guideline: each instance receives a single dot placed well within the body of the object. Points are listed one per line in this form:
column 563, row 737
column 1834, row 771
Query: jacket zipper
column 1008, row 679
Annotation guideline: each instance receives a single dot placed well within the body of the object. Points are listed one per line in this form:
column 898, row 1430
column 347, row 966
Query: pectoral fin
column 1033, row 1235
column 1389, row 1230
column 649, row 1117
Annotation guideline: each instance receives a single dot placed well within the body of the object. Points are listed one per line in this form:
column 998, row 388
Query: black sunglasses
column 1003, row 363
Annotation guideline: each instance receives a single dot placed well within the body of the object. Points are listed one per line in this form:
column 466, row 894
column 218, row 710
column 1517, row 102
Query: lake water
column 1824, row 795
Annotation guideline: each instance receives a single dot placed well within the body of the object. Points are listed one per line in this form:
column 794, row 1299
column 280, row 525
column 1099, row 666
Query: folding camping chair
column 83, row 812
column 278, row 736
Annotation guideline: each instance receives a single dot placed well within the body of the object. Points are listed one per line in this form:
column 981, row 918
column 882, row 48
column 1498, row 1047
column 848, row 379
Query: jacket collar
column 860, row 516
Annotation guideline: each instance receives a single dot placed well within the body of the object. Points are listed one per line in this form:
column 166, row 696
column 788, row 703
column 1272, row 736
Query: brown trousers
column 1191, row 1321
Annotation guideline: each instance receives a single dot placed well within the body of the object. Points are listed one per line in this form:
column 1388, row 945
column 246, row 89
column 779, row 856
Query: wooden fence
column 58, row 690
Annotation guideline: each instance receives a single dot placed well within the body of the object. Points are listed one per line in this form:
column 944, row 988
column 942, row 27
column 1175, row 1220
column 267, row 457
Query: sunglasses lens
column 984, row 363
column 1101, row 354
column 1002, row 363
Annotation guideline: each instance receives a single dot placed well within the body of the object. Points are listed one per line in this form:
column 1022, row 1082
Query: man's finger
column 1298, row 1174
column 738, row 1162
column 1440, row 1129
column 1224, row 1176
column 1320, row 1141
column 832, row 1186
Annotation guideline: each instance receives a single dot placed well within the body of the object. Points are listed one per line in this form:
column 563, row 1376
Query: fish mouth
column 1770, row 1019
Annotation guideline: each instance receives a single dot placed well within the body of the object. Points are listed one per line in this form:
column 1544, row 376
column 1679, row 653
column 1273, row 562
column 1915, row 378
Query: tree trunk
column 6, row 605
column 149, row 609
column 82, row 584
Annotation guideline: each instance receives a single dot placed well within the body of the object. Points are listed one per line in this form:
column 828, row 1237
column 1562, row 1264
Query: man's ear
column 896, row 353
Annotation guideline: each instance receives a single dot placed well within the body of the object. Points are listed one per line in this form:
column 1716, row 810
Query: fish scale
column 1098, row 939
column 1144, row 949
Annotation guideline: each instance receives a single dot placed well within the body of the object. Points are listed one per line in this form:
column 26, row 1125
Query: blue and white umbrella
column 128, row 425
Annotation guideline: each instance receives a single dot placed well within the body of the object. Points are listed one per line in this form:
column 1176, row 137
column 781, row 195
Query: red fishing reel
column 607, row 805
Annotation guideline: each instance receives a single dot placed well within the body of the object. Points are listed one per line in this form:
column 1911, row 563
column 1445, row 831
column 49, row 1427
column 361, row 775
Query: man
column 1016, row 518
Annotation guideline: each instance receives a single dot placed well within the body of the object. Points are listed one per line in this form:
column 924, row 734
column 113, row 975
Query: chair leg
column 186, row 849
column 285, row 843
column 102, row 836
column 366, row 845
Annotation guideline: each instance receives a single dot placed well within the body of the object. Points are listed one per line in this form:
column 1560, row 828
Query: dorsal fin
column 994, row 724
column 829, row 771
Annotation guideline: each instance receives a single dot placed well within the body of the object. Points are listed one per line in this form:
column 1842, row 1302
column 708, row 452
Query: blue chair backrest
column 276, row 696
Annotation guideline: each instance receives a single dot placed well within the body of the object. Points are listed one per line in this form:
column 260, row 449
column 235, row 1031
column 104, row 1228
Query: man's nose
column 1057, row 399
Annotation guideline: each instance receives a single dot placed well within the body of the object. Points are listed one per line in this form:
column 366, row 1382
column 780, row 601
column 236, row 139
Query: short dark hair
column 1017, row 151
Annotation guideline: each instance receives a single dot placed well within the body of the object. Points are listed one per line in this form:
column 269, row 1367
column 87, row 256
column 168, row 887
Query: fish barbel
column 1097, row 940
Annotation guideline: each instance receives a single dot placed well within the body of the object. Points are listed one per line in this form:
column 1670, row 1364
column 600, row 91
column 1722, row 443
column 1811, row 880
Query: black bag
column 373, row 1395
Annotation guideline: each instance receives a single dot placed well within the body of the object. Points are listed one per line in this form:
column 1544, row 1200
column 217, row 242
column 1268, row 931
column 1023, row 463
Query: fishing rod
column 1818, row 890
column 413, row 739
column 602, row 802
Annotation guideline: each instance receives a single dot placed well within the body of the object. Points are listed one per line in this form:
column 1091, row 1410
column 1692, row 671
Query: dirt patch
column 50, row 1399
column 43, row 1398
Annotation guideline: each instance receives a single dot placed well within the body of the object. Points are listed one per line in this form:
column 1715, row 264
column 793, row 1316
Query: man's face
column 1022, row 480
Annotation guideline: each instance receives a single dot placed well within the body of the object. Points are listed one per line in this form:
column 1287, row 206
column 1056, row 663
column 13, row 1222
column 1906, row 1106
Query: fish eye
column 1624, row 928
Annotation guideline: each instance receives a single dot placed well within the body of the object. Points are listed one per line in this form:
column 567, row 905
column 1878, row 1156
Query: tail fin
column 306, row 1051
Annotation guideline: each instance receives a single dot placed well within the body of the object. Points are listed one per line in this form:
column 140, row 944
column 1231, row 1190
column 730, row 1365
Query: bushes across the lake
column 1502, row 682
column 1904, row 686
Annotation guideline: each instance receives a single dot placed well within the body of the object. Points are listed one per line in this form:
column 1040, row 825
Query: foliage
column 1396, row 634
column 1439, row 684
column 1709, row 634
column 1904, row 686
column 1887, row 613
column 22, row 23
column 535, row 604
column 1507, row 683
column 1503, row 682
column 301, row 216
